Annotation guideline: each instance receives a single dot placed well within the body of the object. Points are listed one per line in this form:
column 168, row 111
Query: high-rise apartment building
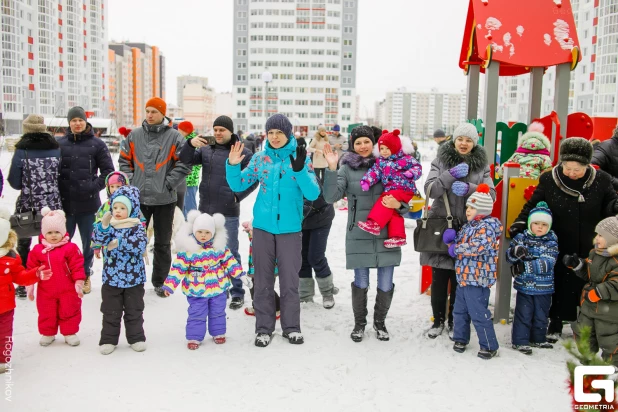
column 198, row 105
column 54, row 56
column 307, row 48
column 182, row 81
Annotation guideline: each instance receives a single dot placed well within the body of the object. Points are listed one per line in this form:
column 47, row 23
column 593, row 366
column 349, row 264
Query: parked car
column 112, row 141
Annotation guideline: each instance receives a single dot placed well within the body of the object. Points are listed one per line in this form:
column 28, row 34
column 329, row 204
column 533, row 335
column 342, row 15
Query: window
column 302, row 64
column 242, row 40
column 346, row 105
column 242, row 65
column 287, row 12
column 301, row 38
column 242, row 14
column 241, row 52
column 345, row 117
column 348, row 17
column 241, row 115
column 347, row 55
column 347, row 42
column 241, row 2
column 241, row 90
column 241, row 103
column 241, row 77
column 346, row 92
column 241, row 27
column 347, row 80
column 302, row 51
column 347, row 67
column 291, row 38
column 348, row 29
column 348, row 4
column 271, row 25
column 317, row 52
column 287, row 25
column 257, row 25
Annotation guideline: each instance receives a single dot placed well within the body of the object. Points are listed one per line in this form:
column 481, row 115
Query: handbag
column 28, row 223
column 429, row 230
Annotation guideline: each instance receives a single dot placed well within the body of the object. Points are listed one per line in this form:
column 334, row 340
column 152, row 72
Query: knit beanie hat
column 76, row 112
column 115, row 178
column 540, row 213
column 5, row 225
column 53, row 221
column 390, row 140
column 608, row 228
column 321, row 128
column 467, row 130
column 224, row 121
column 576, row 149
column 125, row 201
column 481, row 200
column 204, row 222
column 336, row 128
column 186, row 127
column 124, row 131
column 279, row 122
column 363, row 131
column 439, row 133
column 34, row 124
column 158, row 104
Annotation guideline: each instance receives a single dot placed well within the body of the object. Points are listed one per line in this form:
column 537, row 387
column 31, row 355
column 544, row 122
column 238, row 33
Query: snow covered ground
column 328, row 373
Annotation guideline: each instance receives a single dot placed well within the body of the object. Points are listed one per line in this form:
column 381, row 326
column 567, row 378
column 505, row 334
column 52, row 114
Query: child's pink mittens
column 409, row 174
column 364, row 186
column 79, row 288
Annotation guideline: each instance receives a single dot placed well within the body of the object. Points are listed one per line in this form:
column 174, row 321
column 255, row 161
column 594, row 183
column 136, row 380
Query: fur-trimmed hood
column 37, row 141
column 356, row 161
column 450, row 157
column 406, row 147
column 186, row 242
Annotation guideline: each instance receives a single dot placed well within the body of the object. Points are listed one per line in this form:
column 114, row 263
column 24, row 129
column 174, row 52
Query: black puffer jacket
column 84, row 163
column 318, row 213
column 606, row 157
column 215, row 193
column 250, row 143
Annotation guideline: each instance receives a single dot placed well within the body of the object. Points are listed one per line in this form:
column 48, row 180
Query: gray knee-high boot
column 306, row 289
column 359, row 307
column 380, row 310
column 327, row 291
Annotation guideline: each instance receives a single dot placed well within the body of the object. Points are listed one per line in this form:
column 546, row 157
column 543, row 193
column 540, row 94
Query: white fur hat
column 215, row 224
column 5, row 225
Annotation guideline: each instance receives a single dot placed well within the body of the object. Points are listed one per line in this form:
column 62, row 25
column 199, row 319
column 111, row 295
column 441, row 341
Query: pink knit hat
column 53, row 221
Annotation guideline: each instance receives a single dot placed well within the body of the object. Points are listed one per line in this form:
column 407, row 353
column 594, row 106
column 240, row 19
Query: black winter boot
column 380, row 310
column 359, row 306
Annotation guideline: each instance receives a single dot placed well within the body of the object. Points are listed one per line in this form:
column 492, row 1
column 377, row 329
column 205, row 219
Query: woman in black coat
column 579, row 197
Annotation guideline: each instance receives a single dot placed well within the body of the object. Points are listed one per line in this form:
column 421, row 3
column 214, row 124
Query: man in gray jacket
column 151, row 157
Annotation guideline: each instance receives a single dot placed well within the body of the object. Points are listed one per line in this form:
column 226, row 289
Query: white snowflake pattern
column 547, row 39
column 520, row 30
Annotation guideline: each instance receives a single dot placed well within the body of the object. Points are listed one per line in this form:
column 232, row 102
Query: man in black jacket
column 85, row 162
column 606, row 157
column 215, row 193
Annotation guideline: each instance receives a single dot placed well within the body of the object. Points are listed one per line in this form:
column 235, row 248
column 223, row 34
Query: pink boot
column 394, row 242
column 370, row 227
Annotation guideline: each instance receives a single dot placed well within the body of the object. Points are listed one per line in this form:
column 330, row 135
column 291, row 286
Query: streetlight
column 267, row 77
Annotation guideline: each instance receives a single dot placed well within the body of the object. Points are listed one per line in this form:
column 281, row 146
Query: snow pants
column 206, row 310
column 383, row 216
column 115, row 303
column 284, row 251
column 58, row 311
column 531, row 319
column 6, row 335
column 603, row 335
column 471, row 305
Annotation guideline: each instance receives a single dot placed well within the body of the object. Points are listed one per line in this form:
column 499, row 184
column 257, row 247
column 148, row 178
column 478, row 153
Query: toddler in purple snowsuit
column 204, row 265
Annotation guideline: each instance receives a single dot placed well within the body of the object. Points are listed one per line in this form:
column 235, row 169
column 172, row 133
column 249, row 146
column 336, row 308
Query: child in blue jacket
column 533, row 254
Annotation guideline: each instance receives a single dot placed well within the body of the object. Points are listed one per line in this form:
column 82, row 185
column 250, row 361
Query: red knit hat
column 124, row 131
column 390, row 140
column 186, row 127
column 158, row 104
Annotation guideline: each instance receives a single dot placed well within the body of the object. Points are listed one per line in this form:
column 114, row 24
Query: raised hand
column 299, row 163
column 459, row 171
column 107, row 217
column 198, row 142
column 332, row 157
column 236, row 155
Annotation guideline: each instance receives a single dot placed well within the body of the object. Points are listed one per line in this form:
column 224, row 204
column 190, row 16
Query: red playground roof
column 520, row 34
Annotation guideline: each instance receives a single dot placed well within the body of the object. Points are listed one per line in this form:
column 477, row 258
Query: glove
column 365, row 186
column 30, row 292
column 107, row 217
column 592, row 295
column 299, row 163
column 112, row 245
column 79, row 288
column 460, row 188
column 516, row 228
column 520, row 251
column 451, row 250
column 459, row 171
column 571, row 261
column 408, row 174
column 518, row 268
column 246, row 280
column 449, row 236
column 43, row 273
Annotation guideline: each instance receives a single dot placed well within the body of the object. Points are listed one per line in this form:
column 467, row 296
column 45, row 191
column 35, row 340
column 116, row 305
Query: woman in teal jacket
column 277, row 223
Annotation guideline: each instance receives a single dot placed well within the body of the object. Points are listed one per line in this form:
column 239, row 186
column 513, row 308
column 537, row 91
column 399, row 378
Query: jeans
column 190, row 200
column 385, row 278
column 163, row 216
column 231, row 225
column 314, row 253
column 83, row 222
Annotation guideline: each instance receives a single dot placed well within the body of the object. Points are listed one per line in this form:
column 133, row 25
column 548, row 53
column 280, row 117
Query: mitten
column 449, row 236
column 592, row 295
column 518, row 268
column 409, row 174
column 520, row 251
column 246, row 280
column 571, row 261
column 451, row 250
column 43, row 273
column 299, row 162
column 460, row 171
column 112, row 245
column 79, row 288
column 107, row 217
column 30, row 292
column 516, row 228
column 364, row 186
column 460, row 188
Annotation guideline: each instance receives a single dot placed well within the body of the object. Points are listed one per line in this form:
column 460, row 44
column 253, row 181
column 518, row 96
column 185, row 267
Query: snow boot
column 359, row 307
column 20, row 292
column 295, row 338
column 219, row 339
column 249, row 311
column 87, row 285
column 237, row 302
column 525, row 349
column 370, row 227
column 451, row 330
column 107, row 349
column 193, row 345
column 436, row 329
column 262, row 340
column 71, row 340
column 46, row 340
column 487, row 354
column 327, row 290
column 554, row 330
column 542, row 345
column 306, row 290
column 459, row 347
column 138, row 346
column 380, row 310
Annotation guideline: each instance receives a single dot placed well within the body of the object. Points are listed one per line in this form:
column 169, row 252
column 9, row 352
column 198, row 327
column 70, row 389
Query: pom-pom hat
column 481, row 200
column 390, row 140
column 53, row 221
column 540, row 213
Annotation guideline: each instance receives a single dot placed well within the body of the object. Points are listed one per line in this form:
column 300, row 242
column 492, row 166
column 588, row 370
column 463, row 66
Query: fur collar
column 186, row 242
column 37, row 141
column 356, row 161
column 476, row 159
column 613, row 250
column 572, row 192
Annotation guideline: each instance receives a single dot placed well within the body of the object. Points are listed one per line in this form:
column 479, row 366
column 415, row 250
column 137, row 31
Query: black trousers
column 115, row 302
column 439, row 293
column 319, row 173
column 23, row 249
column 181, row 190
column 163, row 216
column 314, row 253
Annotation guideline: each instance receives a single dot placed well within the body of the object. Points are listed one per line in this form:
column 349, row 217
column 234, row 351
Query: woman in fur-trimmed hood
column 461, row 165
column 532, row 153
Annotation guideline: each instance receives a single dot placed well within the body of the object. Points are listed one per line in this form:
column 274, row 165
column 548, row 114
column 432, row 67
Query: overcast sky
column 410, row 43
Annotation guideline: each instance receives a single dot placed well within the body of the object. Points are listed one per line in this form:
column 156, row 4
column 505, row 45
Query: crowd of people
column 164, row 167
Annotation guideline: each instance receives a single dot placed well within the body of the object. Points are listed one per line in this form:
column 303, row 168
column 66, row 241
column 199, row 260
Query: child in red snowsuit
column 59, row 299
column 11, row 271
column 397, row 170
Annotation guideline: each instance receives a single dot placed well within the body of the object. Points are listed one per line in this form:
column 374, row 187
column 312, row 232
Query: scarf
column 602, row 252
column 205, row 245
column 49, row 246
column 125, row 223
column 528, row 151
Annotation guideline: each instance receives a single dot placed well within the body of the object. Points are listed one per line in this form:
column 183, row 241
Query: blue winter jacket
column 538, row 276
column 279, row 205
column 124, row 266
